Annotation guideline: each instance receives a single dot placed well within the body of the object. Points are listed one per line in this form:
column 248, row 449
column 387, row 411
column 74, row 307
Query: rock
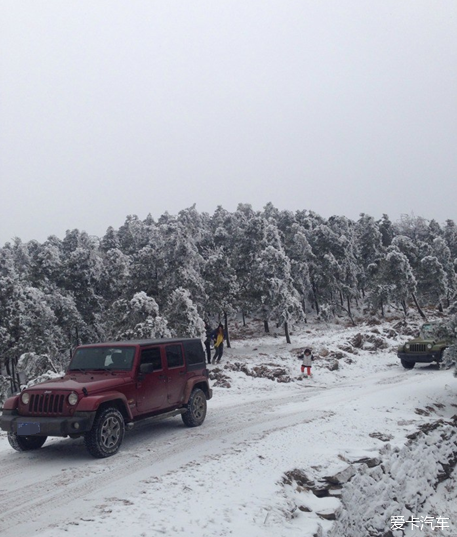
column 346, row 348
column 219, row 379
column 376, row 342
column 327, row 514
column 357, row 341
column 390, row 333
column 371, row 462
column 341, row 477
column 381, row 436
column 299, row 477
column 261, row 371
column 333, row 365
column 321, row 490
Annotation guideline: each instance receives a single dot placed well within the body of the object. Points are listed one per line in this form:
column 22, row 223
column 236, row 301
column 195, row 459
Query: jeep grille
column 46, row 404
column 418, row 347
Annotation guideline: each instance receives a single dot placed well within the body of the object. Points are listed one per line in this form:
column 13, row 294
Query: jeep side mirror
column 146, row 368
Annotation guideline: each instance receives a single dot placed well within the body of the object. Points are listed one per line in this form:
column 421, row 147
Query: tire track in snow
column 153, row 450
column 235, row 425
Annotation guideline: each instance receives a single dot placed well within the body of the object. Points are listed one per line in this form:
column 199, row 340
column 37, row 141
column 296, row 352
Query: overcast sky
column 118, row 107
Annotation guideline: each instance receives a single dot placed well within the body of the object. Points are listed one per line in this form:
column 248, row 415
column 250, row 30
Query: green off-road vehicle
column 434, row 339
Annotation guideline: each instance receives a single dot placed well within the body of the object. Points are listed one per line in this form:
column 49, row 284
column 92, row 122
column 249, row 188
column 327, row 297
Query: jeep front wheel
column 407, row 365
column 196, row 409
column 25, row 443
column 105, row 437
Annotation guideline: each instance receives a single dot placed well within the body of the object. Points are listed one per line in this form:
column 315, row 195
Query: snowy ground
column 258, row 464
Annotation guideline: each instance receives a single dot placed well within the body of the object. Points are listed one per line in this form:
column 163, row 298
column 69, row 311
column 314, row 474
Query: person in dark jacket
column 219, row 336
column 207, row 342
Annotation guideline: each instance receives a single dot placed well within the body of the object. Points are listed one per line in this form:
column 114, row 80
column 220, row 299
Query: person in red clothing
column 307, row 361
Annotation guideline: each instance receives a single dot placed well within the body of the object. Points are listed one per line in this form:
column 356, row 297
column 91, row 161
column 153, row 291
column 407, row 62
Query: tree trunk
column 14, row 382
column 227, row 336
column 349, row 310
column 244, row 318
column 382, row 309
column 405, row 308
column 286, row 329
column 267, row 328
column 419, row 309
column 316, row 303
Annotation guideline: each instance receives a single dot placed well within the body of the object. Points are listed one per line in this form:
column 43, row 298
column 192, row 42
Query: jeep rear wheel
column 105, row 437
column 25, row 443
column 196, row 409
column 407, row 365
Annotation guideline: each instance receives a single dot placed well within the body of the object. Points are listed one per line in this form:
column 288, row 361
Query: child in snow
column 308, row 359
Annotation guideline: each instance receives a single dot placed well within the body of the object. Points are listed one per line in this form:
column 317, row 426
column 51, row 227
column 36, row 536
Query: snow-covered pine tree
column 300, row 254
column 369, row 247
column 386, row 229
column 221, row 288
column 137, row 318
column 431, row 282
column 246, row 246
column 450, row 236
column 182, row 315
column 443, row 253
column 116, row 275
column 179, row 264
column 398, row 272
column 276, row 297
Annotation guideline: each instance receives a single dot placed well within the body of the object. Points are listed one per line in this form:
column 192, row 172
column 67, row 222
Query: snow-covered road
column 225, row 477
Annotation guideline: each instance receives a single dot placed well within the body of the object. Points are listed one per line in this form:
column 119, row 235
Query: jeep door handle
column 163, row 377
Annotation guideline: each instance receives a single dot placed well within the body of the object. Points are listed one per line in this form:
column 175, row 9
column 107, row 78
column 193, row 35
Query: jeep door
column 176, row 372
column 152, row 387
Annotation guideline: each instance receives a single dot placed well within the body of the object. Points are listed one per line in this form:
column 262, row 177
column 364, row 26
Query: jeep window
column 174, row 356
column 103, row 358
column 194, row 353
column 152, row 356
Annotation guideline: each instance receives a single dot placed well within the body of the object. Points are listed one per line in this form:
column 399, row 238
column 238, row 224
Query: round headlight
column 407, row 345
column 429, row 345
column 25, row 398
column 72, row 399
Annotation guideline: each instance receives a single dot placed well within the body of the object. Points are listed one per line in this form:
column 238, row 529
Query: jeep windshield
column 103, row 359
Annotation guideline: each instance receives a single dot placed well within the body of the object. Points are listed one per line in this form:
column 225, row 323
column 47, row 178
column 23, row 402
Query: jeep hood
column 427, row 341
column 75, row 383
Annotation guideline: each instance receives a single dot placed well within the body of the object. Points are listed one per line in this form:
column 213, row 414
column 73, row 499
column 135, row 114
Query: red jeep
column 108, row 386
